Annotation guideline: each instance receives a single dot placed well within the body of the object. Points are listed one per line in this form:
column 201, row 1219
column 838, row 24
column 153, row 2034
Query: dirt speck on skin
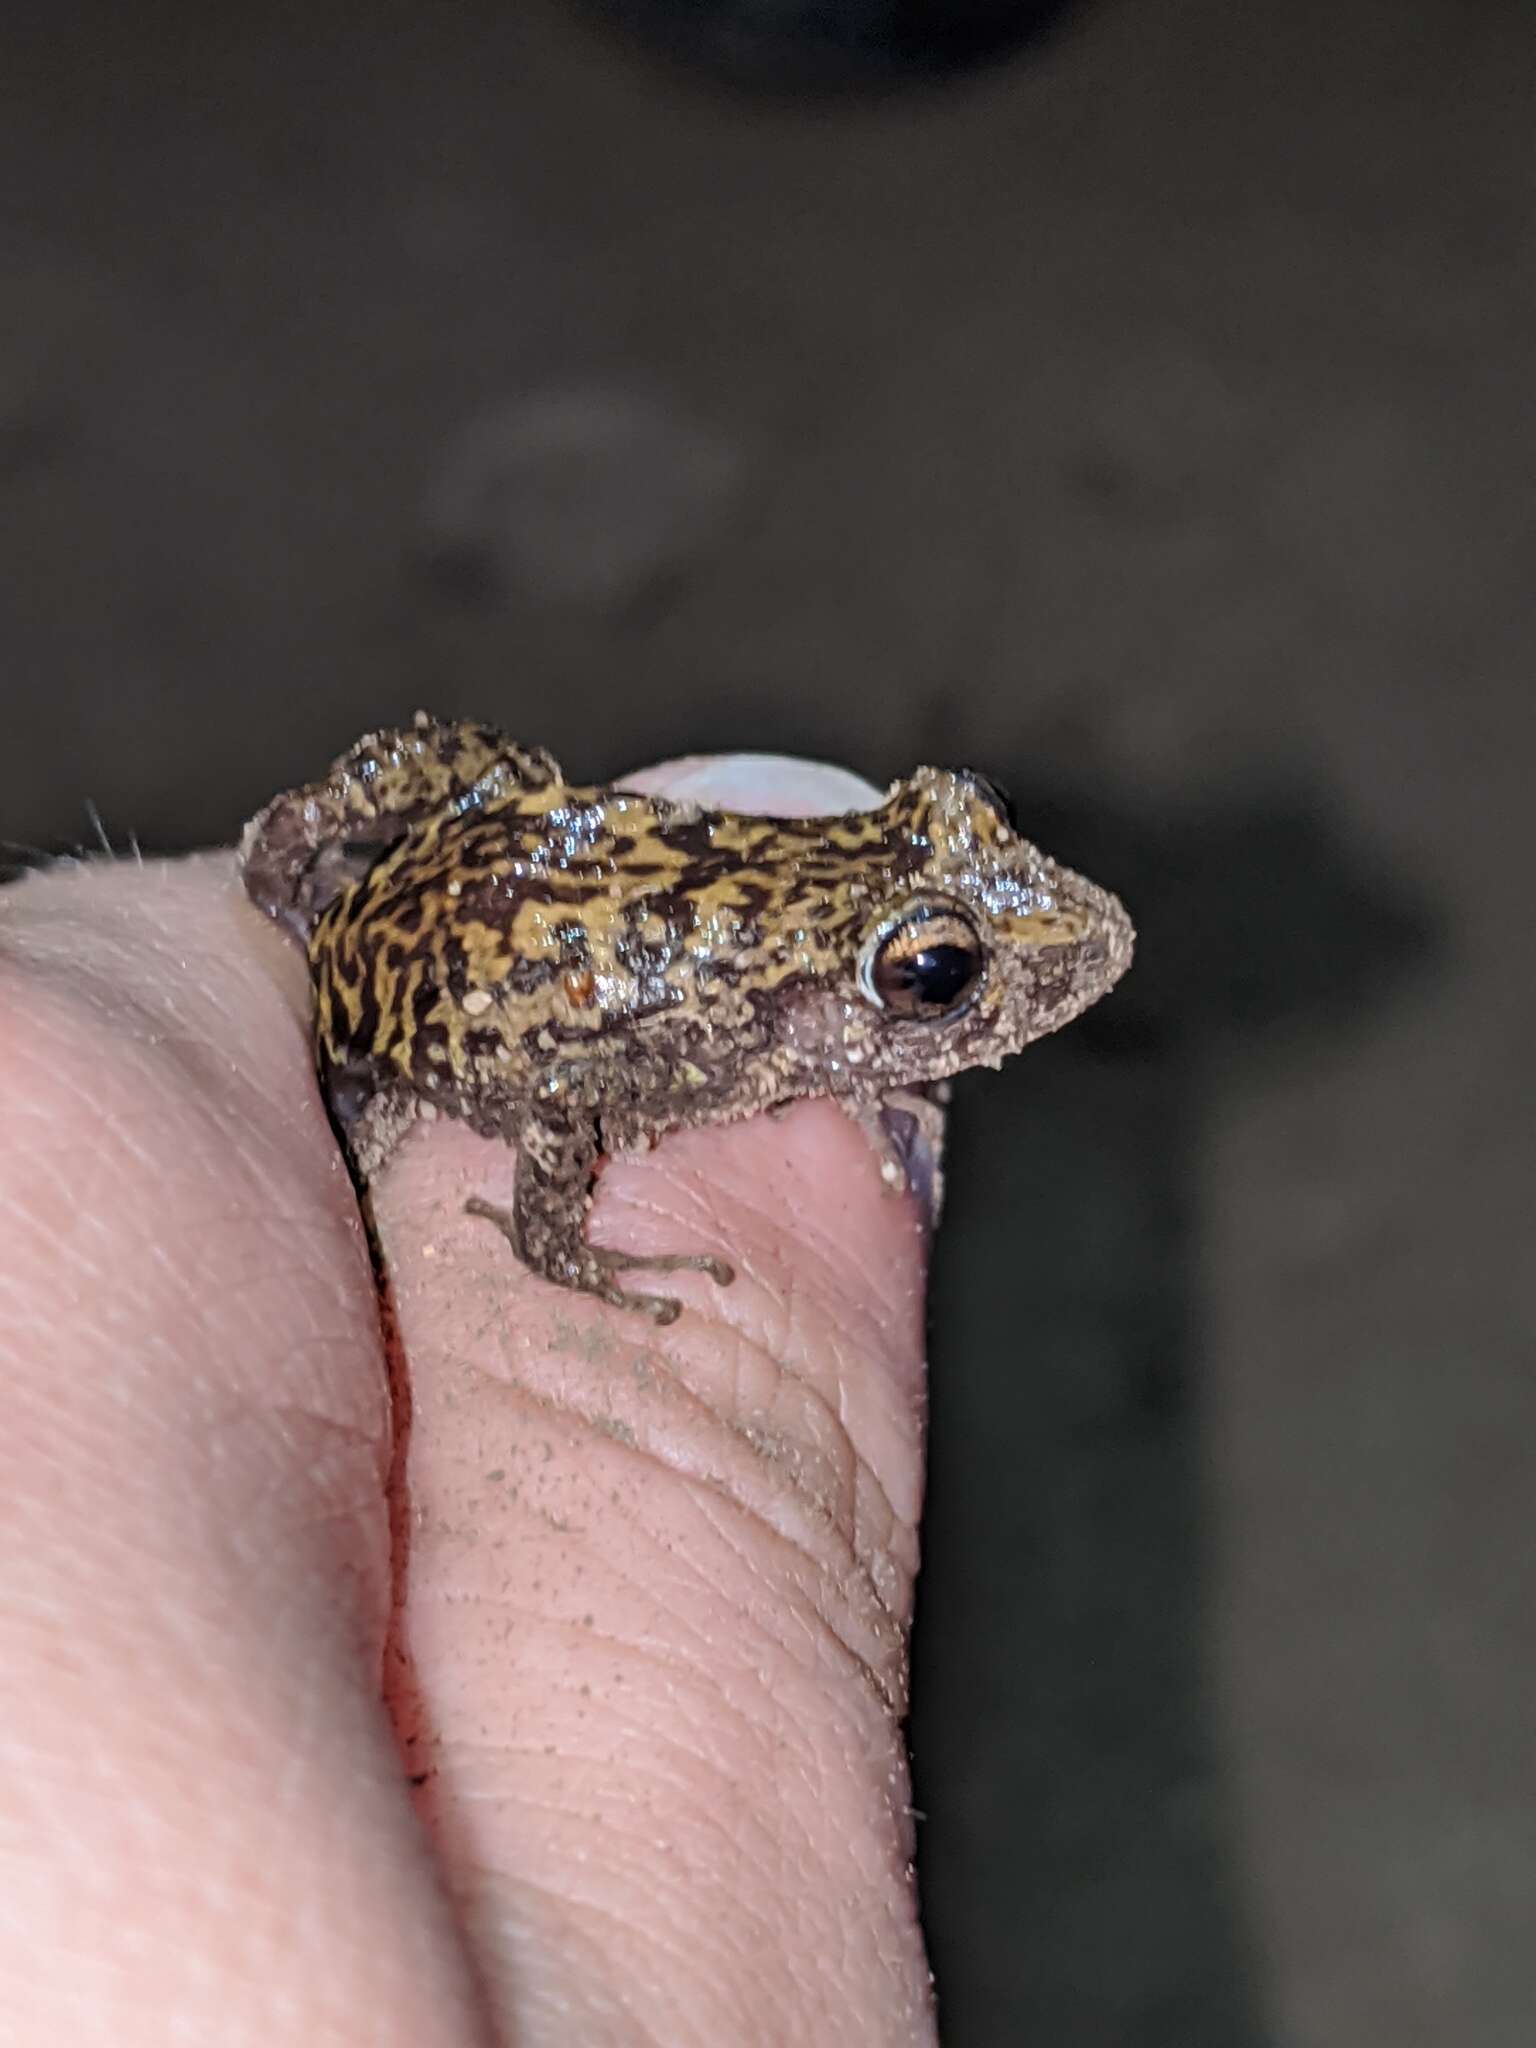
column 593, row 1341
column 804, row 1469
column 610, row 1425
column 773, row 1446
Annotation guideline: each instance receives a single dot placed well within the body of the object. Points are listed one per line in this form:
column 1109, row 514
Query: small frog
column 578, row 970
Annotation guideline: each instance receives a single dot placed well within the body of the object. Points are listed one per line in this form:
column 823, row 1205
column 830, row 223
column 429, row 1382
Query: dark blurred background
column 1130, row 399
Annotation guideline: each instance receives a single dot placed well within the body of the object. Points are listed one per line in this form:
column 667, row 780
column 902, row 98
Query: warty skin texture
column 578, row 970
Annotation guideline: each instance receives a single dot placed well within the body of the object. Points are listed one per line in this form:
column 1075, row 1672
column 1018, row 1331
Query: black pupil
column 939, row 975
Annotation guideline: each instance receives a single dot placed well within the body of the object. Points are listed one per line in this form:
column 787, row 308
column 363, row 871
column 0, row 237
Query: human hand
column 556, row 1700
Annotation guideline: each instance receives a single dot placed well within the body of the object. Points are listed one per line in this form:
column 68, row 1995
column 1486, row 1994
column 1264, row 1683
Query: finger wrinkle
column 114, row 1120
column 695, row 1803
column 631, row 1852
column 808, row 1313
column 756, row 1549
column 754, row 1578
column 736, row 1713
column 865, row 1632
column 801, row 1553
column 856, row 1293
column 812, row 1560
column 726, row 1692
column 529, row 1923
column 684, row 1659
column 829, row 1532
column 174, row 1005
column 686, row 1436
column 715, row 1377
column 665, row 1943
column 599, row 1931
column 668, row 1420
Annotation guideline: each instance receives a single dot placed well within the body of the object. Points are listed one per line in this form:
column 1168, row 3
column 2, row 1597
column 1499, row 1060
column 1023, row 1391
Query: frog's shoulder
column 307, row 845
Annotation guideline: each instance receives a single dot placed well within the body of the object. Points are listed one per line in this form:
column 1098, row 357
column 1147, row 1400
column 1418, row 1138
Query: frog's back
column 495, row 937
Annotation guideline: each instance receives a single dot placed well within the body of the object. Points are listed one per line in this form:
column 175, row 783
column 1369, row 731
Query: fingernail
column 774, row 784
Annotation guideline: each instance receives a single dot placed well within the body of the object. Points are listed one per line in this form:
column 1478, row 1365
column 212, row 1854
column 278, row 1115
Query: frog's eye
column 928, row 963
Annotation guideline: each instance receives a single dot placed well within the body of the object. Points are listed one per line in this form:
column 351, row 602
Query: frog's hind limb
column 307, row 846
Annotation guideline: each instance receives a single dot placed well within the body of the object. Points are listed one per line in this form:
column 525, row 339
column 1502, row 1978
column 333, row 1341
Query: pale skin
column 570, row 1714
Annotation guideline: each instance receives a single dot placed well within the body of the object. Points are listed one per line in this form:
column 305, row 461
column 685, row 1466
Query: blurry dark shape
column 1257, row 921
column 836, row 45
column 591, row 495
column 1067, row 1743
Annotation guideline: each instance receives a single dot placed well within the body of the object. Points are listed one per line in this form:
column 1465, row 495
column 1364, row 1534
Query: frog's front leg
column 905, row 1128
column 546, row 1225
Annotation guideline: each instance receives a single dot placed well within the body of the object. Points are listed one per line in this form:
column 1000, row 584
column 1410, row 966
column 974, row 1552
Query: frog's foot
column 662, row 1308
column 588, row 1268
column 905, row 1128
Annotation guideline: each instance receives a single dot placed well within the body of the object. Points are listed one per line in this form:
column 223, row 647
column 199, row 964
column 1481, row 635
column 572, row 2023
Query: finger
column 204, row 1834
column 652, row 1656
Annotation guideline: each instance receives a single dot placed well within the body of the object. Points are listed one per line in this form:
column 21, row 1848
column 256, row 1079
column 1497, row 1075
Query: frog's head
column 969, row 942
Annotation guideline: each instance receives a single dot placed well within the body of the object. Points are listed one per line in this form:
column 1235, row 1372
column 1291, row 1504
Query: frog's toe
column 661, row 1308
column 719, row 1270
